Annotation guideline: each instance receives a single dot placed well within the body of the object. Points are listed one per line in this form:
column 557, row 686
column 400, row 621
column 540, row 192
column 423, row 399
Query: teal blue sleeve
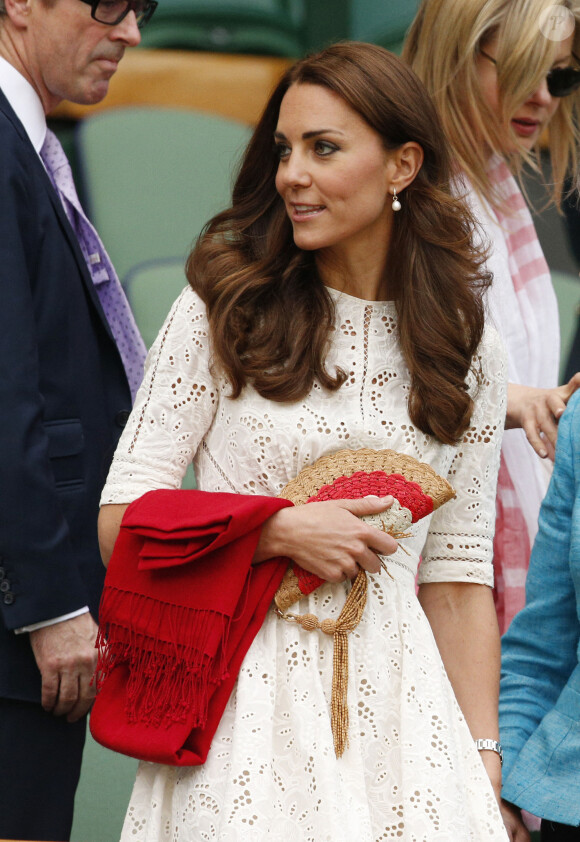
column 539, row 650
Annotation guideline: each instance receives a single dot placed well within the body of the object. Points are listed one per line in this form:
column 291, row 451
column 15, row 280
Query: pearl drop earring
column 396, row 203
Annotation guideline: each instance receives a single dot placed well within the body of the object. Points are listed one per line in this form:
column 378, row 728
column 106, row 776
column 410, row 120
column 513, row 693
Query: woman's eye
column 325, row 147
column 282, row 151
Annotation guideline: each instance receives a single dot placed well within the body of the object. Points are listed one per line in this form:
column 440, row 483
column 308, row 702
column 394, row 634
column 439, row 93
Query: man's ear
column 18, row 11
column 405, row 162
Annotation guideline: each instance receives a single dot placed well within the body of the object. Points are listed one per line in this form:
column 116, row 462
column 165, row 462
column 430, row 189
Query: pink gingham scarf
column 525, row 312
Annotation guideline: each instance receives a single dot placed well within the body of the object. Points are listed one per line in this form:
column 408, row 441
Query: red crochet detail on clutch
column 360, row 484
column 409, row 494
column 307, row 582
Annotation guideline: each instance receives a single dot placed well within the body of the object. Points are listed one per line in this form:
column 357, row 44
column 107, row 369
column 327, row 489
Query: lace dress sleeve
column 459, row 544
column 173, row 409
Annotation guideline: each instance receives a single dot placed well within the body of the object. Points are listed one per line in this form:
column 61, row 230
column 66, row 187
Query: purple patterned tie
column 111, row 295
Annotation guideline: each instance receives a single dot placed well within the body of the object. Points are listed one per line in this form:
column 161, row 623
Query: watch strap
column 490, row 745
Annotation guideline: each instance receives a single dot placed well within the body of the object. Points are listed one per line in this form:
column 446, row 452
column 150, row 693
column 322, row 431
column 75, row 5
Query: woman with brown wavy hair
column 338, row 305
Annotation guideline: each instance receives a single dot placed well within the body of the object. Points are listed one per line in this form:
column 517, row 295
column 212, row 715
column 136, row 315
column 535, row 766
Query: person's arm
column 537, row 412
column 38, row 558
column 464, row 623
column 539, row 650
column 456, row 574
column 110, row 517
column 174, row 408
column 37, row 553
column 328, row 538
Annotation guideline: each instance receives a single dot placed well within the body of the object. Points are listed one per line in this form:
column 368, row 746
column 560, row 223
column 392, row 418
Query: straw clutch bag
column 348, row 475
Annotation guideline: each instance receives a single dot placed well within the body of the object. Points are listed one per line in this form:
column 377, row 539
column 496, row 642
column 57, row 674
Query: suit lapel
column 60, row 212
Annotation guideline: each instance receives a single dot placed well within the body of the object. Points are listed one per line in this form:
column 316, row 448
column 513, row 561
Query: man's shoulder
column 8, row 119
column 13, row 138
column 21, row 169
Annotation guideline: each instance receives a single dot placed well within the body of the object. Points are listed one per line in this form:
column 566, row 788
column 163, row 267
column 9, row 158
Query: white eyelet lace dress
column 411, row 771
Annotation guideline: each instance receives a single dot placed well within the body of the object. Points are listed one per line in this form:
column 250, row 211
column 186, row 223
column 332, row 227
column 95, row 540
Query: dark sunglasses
column 112, row 12
column 561, row 81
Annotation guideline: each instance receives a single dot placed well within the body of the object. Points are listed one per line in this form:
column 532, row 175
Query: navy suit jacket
column 64, row 398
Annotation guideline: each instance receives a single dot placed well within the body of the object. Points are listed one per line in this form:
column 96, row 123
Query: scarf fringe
column 174, row 656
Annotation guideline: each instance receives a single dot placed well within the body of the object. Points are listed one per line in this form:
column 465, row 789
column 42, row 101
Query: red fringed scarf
column 182, row 603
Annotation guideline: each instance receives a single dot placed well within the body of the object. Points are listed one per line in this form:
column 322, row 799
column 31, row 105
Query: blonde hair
column 442, row 47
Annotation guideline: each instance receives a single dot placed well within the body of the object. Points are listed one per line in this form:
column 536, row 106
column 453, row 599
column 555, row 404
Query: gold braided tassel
column 348, row 619
column 349, row 475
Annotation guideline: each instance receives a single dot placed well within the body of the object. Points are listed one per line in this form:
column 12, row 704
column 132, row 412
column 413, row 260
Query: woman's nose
column 541, row 96
column 295, row 171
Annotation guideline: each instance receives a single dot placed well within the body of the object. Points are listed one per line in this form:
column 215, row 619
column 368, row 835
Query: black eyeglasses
column 112, row 12
column 561, row 81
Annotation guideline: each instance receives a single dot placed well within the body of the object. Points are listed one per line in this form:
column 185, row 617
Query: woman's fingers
column 571, row 386
column 540, row 427
column 370, row 505
column 538, row 411
column 329, row 538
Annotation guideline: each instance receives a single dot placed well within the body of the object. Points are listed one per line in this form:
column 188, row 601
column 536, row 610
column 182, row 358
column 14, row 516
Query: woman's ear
column 405, row 162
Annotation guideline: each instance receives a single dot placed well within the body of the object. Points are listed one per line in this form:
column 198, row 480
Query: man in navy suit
column 65, row 392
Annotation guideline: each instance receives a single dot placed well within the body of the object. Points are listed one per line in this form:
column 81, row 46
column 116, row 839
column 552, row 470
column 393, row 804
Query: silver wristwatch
column 490, row 745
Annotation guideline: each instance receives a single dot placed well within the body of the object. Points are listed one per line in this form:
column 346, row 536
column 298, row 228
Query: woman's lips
column 525, row 128
column 301, row 212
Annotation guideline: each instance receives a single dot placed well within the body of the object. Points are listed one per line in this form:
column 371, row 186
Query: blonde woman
column 501, row 71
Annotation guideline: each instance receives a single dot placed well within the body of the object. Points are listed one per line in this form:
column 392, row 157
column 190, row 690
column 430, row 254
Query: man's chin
column 93, row 94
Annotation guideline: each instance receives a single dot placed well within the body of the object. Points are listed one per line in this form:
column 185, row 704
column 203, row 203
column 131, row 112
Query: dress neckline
column 339, row 295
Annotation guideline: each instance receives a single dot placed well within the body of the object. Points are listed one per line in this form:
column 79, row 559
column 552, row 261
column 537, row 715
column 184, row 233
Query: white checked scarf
column 522, row 304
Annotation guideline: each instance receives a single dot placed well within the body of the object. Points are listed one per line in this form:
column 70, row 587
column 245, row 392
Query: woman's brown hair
column 270, row 315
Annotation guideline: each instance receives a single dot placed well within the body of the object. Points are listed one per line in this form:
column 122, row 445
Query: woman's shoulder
column 187, row 306
column 185, row 323
column 491, row 345
column 489, row 363
column 188, row 298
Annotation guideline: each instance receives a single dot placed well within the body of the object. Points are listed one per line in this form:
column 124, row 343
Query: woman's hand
column 538, row 411
column 512, row 818
column 328, row 538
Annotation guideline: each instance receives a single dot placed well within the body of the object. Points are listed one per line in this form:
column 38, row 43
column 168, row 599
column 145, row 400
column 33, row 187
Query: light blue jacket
column 540, row 685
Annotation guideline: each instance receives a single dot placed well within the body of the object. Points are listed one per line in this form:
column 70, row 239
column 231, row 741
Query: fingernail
column 543, row 453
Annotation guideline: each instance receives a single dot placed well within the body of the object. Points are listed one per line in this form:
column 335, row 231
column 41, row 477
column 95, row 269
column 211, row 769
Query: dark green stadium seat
column 267, row 27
